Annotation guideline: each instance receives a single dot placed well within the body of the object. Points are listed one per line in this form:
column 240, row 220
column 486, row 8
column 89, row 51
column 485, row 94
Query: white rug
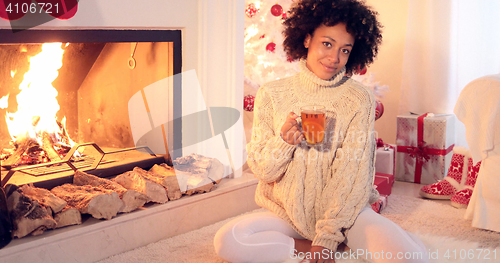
column 448, row 237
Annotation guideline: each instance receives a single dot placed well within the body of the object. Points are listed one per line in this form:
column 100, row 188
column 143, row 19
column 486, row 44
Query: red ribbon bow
column 422, row 153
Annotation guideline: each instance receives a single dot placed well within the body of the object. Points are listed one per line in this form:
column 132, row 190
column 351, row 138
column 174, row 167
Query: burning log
column 132, row 199
column 133, row 180
column 23, row 144
column 28, row 215
column 165, row 175
column 67, row 217
column 48, row 147
column 98, row 202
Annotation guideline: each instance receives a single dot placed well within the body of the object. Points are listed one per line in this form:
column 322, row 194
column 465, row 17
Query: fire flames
column 35, row 122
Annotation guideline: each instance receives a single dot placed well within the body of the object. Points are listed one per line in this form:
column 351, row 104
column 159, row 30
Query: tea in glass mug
column 313, row 123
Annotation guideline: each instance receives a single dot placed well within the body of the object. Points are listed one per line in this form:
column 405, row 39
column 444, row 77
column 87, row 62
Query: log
column 165, row 175
column 132, row 199
column 98, row 202
column 23, row 144
column 200, row 165
column 28, row 215
column 48, row 147
column 203, row 172
column 134, row 181
column 190, row 183
column 67, row 217
column 39, row 230
column 44, row 197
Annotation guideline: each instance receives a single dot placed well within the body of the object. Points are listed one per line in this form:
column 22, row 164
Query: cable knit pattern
column 318, row 190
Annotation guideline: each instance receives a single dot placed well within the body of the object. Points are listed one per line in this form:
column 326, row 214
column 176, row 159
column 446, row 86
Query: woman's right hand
column 290, row 131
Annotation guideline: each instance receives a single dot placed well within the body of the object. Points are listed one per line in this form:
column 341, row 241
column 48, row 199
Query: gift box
column 383, row 183
column 385, row 160
column 424, row 147
column 380, row 204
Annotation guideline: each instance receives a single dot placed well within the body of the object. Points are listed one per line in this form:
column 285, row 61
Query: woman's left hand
column 325, row 255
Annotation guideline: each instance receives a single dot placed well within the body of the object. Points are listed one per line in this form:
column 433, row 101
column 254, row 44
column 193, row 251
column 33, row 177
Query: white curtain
column 448, row 44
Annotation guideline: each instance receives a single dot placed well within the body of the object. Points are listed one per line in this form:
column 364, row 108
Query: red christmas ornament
column 12, row 10
column 361, row 71
column 283, row 16
column 271, row 47
column 380, row 142
column 68, row 9
column 276, row 10
column 251, row 10
column 248, row 102
column 379, row 109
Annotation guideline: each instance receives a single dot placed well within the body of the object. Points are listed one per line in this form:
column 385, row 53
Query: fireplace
column 101, row 71
column 211, row 43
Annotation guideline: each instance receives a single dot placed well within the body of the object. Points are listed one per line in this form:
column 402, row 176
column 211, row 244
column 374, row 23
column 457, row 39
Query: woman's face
column 328, row 50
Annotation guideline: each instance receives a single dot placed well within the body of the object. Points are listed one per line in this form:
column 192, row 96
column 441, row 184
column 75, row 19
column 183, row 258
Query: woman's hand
column 320, row 255
column 290, row 131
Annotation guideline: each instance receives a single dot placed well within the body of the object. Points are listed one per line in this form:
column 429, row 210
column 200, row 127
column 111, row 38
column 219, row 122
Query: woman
column 318, row 196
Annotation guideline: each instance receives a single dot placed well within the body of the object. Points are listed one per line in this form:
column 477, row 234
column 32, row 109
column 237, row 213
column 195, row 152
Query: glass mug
column 313, row 123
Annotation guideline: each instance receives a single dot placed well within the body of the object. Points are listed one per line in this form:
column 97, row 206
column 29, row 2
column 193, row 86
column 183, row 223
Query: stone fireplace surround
column 212, row 45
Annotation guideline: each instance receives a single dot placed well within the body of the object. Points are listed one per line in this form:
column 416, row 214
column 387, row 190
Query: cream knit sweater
column 318, row 190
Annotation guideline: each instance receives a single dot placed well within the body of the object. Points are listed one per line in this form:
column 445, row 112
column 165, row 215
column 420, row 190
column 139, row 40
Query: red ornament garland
column 271, row 47
column 276, row 10
column 248, row 102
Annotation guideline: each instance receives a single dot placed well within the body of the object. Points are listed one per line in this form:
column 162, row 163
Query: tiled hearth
column 98, row 239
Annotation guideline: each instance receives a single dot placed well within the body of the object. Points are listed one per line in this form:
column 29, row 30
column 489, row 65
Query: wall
column 388, row 67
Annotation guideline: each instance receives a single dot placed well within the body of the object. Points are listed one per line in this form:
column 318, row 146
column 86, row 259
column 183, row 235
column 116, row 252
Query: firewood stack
column 34, row 210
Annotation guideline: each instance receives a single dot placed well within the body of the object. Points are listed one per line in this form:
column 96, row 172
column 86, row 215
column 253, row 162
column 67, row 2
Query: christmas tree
column 265, row 59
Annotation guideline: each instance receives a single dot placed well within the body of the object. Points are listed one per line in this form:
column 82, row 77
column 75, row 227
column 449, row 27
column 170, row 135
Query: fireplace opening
column 84, row 100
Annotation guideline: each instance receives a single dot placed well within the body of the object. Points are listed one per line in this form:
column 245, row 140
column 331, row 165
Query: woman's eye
column 346, row 51
column 327, row 44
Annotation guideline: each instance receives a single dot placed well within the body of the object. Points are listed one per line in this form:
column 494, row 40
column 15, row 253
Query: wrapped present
column 383, row 183
column 385, row 161
column 424, row 147
column 380, row 204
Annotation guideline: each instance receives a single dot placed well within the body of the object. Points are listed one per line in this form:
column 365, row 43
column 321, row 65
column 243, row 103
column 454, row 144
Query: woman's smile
column 329, row 68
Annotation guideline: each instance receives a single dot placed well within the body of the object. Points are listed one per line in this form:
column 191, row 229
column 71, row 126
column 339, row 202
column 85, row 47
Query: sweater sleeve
column 354, row 172
column 268, row 154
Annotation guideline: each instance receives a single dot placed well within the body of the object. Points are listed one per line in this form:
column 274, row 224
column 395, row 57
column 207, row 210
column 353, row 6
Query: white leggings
column 264, row 237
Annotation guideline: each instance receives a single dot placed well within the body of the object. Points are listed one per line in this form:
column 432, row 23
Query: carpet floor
column 448, row 237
